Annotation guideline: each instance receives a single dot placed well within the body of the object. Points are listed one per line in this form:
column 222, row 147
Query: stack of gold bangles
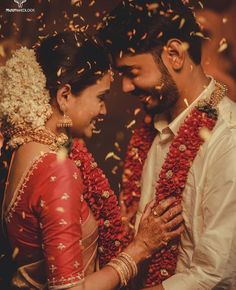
column 125, row 267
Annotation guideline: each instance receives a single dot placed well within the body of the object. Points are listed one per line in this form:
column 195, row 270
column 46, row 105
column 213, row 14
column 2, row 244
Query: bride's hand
column 160, row 224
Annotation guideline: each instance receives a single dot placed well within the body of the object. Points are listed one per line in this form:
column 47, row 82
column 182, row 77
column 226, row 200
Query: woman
column 62, row 219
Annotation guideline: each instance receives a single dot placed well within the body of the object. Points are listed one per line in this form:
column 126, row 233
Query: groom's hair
column 139, row 26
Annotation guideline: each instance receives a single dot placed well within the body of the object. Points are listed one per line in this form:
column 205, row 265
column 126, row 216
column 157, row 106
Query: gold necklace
column 22, row 135
column 218, row 94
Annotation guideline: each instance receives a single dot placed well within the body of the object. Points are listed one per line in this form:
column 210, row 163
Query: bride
column 61, row 217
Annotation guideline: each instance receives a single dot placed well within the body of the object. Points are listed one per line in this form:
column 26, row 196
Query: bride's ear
column 63, row 95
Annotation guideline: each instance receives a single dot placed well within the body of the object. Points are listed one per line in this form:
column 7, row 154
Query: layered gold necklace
column 19, row 136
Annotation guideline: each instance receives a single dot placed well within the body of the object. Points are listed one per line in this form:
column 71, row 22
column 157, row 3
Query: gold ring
column 155, row 213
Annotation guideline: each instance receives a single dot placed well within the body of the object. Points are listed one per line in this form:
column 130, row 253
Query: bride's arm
column 152, row 235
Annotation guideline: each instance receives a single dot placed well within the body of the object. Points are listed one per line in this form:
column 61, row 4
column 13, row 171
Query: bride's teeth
column 97, row 131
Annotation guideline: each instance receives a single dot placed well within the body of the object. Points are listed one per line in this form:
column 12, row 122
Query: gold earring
column 64, row 122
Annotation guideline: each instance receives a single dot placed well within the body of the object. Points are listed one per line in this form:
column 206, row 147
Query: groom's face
column 149, row 80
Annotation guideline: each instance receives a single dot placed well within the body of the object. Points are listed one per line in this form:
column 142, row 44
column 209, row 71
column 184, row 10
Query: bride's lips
column 94, row 123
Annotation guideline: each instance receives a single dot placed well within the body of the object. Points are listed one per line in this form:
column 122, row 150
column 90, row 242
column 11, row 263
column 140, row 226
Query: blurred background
column 45, row 17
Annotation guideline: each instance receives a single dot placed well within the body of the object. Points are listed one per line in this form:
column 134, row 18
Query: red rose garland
column 173, row 175
column 103, row 203
column 138, row 148
column 172, row 180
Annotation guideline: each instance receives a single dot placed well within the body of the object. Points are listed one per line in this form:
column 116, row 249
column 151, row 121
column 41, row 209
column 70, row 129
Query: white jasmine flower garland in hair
column 24, row 99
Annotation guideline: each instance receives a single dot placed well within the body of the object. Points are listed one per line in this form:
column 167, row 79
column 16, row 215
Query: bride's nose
column 103, row 109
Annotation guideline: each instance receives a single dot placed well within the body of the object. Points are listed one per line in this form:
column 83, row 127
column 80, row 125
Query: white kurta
column 207, row 258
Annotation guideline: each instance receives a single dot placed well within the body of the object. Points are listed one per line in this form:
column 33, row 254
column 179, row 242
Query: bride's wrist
column 138, row 250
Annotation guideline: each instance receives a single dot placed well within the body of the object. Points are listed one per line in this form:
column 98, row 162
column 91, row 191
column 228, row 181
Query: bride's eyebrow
column 124, row 68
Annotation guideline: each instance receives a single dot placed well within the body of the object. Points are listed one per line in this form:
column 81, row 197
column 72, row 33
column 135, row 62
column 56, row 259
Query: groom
column 190, row 152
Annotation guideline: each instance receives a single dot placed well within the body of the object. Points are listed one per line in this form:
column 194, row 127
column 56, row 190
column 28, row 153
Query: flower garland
column 173, row 176
column 24, row 99
column 138, row 148
column 103, row 203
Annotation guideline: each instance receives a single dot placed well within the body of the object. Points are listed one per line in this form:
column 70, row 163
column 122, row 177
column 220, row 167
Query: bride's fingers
column 176, row 233
column 172, row 212
column 148, row 208
column 174, row 223
column 159, row 209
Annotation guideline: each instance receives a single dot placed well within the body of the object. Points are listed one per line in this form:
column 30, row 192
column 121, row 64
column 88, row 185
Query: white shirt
column 207, row 258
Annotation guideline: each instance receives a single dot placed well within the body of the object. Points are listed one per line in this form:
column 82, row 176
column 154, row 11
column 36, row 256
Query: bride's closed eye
column 102, row 98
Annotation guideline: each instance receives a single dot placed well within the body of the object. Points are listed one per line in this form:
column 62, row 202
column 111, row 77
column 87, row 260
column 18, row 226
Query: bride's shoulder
column 40, row 159
column 30, row 153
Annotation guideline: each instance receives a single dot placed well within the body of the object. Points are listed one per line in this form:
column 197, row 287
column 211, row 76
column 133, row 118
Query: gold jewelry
column 125, row 266
column 130, row 262
column 218, row 94
column 155, row 213
column 19, row 136
column 115, row 264
column 64, row 122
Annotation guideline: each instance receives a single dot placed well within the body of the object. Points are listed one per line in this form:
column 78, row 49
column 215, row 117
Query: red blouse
column 44, row 219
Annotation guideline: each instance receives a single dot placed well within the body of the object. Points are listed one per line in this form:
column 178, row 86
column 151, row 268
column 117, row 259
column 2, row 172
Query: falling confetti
column 185, row 46
column 61, row 154
column 186, row 102
column 205, row 134
column 182, row 22
column 225, row 20
column 59, row 72
column 112, row 155
column 223, row 45
column 15, row 253
column 152, row 6
column 131, row 124
column 80, row 71
column 137, row 111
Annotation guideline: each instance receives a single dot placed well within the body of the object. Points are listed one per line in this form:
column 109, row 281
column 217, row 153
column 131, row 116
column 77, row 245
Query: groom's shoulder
column 224, row 134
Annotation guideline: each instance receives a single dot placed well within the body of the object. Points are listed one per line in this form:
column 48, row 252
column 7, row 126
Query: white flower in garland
column 24, row 99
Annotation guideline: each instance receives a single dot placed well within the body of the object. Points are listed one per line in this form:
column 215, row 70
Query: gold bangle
column 120, row 270
column 130, row 262
column 125, row 266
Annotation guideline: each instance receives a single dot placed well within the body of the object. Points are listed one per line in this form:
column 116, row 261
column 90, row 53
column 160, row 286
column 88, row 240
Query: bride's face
column 86, row 108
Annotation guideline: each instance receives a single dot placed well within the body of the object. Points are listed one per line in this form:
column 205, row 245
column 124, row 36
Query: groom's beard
column 160, row 98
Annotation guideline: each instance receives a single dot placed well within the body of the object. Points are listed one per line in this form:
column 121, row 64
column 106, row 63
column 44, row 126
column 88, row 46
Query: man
column 156, row 46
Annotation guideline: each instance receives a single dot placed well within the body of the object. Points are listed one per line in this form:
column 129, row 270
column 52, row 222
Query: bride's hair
column 72, row 58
